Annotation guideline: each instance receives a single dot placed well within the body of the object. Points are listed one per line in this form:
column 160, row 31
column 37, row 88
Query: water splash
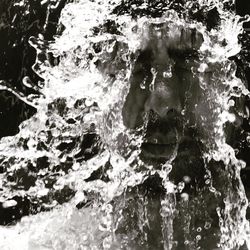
column 77, row 149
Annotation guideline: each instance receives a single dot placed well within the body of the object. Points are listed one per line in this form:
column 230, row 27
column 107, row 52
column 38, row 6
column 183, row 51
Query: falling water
column 79, row 166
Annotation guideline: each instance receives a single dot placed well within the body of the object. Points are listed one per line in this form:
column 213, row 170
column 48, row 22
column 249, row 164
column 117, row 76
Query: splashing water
column 80, row 165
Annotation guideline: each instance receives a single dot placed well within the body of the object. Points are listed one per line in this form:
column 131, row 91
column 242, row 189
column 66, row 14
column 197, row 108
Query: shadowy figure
column 167, row 104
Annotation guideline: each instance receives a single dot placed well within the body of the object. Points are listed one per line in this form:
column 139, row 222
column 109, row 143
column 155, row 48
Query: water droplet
column 125, row 58
column 40, row 84
column 248, row 138
column 155, row 140
column 186, row 179
column 9, row 203
column 184, row 196
column 212, row 189
column 27, row 82
column 231, row 103
column 207, row 182
column 247, row 112
column 153, row 71
column 143, row 83
column 180, row 186
column 40, row 36
column 194, row 71
column 207, row 225
column 110, row 47
column 198, row 237
column 109, row 208
column 167, row 168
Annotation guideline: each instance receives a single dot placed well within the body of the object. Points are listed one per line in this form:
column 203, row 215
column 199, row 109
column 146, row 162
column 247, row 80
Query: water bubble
column 198, row 237
column 207, row 182
column 155, row 140
column 187, row 179
column 212, row 189
column 125, row 57
column 207, row 225
column 153, row 71
column 167, row 168
column 109, row 208
column 40, row 84
column 185, row 197
column 27, row 82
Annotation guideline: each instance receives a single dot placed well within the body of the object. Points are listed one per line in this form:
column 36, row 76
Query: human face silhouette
column 164, row 91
